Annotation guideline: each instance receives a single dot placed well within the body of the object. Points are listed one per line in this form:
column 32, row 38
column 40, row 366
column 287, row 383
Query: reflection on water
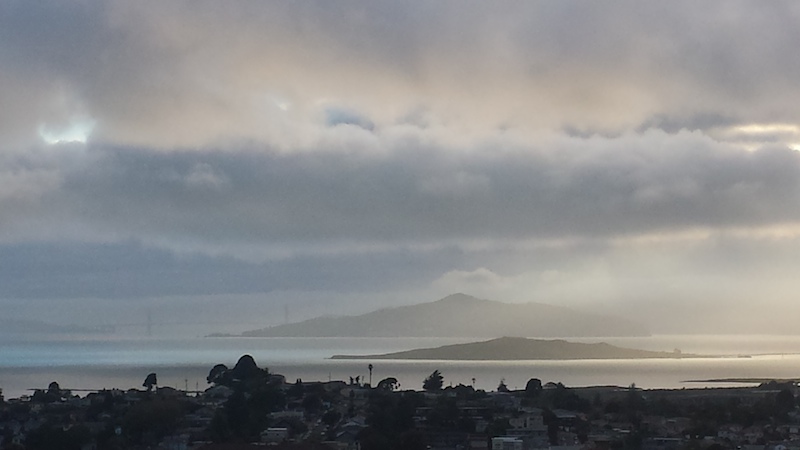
column 123, row 363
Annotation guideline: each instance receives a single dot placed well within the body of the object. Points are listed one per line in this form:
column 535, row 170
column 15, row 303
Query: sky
column 227, row 162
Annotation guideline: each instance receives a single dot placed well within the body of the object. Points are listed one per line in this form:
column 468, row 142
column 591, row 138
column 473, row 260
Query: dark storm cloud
column 413, row 193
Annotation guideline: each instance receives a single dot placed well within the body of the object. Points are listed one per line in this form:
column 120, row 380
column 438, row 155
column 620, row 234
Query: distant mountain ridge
column 513, row 349
column 461, row 315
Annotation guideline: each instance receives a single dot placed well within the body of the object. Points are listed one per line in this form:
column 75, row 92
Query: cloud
column 342, row 116
column 202, row 175
column 406, row 191
column 171, row 75
column 568, row 218
column 474, row 279
column 560, row 150
column 129, row 270
column 459, row 183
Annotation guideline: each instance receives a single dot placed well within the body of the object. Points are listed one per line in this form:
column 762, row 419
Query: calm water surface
column 92, row 363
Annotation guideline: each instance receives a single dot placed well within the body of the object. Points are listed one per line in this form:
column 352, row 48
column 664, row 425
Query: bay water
column 90, row 363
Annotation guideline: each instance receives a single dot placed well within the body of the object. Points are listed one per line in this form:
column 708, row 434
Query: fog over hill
column 461, row 315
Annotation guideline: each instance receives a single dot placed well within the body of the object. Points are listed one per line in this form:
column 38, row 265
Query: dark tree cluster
column 255, row 394
column 390, row 419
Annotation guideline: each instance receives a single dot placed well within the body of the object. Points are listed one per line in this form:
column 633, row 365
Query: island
column 515, row 348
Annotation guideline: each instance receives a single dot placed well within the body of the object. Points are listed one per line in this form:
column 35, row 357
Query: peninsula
column 461, row 315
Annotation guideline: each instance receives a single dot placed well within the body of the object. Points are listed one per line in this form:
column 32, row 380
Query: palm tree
column 370, row 374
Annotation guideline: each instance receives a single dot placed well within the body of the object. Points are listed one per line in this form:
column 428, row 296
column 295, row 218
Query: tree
column 552, row 432
column 534, row 387
column 502, row 386
column 218, row 375
column 246, row 374
column 388, row 384
column 390, row 420
column 246, row 369
column 48, row 437
column 497, row 427
column 434, row 382
column 255, row 395
column 444, row 413
column 54, row 388
column 148, row 421
column 331, row 417
column 53, row 393
column 312, row 403
column 296, row 390
column 150, row 381
column 784, row 403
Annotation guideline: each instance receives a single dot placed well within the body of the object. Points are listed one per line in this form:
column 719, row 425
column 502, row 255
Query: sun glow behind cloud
column 77, row 130
column 753, row 136
column 767, row 128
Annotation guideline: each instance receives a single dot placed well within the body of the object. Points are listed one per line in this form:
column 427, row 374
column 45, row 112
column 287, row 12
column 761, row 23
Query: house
column 478, row 442
column 446, row 439
column 175, row 442
column 274, row 435
column 348, row 439
column 528, row 421
column 506, row 443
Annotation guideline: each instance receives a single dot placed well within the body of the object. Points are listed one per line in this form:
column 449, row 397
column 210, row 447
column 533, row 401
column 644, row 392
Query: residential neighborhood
column 247, row 407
